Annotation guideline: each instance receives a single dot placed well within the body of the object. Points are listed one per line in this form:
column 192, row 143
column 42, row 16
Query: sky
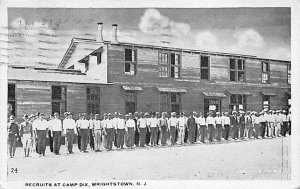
column 41, row 36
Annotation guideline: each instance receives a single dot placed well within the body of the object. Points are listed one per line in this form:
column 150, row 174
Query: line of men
column 141, row 129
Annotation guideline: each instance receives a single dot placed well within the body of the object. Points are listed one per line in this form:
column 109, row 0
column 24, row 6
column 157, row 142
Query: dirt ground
column 253, row 159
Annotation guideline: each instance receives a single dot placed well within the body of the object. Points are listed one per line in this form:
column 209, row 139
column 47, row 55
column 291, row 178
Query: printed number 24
column 14, row 170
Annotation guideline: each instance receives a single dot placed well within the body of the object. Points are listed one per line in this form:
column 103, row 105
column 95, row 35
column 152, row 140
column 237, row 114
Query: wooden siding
column 219, row 68
column 76, row 99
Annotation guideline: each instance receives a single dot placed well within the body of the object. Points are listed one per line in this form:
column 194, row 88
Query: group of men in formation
column 143, row 129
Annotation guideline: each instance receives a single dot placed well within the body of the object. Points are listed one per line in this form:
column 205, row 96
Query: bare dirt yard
column 253, row 159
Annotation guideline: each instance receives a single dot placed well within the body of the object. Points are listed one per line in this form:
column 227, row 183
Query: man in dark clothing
column 13, row 133
column 242, row 125
column 191, row 125
column 136, row 134
column 235, row 124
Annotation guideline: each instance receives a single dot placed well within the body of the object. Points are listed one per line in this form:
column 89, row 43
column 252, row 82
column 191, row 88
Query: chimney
column 99, row 34
column 114, row 35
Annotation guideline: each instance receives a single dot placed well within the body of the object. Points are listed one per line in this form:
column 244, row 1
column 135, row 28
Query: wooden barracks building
column 107, row 76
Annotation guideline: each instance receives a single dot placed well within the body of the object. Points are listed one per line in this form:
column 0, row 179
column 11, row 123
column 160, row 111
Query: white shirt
column 226, row 120
column 181, row 121
column 109, row 124
column 120, row 123
column 130, row 123
column 142, row 122
column 39, row 124
column 283, row 117
column 55, row 125
column 154, row 122
column 210, row 120
column 201, row 121
column 115, row 122
column 271, row 118
column 103, row 123
column 218, row 120
column 148, row 122
column 173, row 121
column 84, row 124
column 96, row 124
column 255, row 119
column 69, row 124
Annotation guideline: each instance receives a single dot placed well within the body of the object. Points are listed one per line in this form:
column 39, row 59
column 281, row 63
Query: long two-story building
column 107, row 76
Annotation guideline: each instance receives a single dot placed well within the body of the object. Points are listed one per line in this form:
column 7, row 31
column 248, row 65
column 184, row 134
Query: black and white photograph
column 122, row 96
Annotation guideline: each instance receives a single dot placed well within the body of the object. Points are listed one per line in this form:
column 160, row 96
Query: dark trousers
column 210, row 132
column 172, row 134
column 192, row 132
column 186, row 134
column 115, row 138
column 41, row 135
column 235, row 131
column 153, row 131
column 50, row 141
column 202, row 133
column 197, row 133
column 158, row 136
column 284, row 128
column 148, row 136
column 79, row 139
column 142, row 136
column 91, row 137
column 109, row 137
column 12, row 142
column 120, row 138
column 70, row 138
column 257, row 131
column 219, row 131
column 130, row 136
column 290, row 127
column 84, row 138
column 263, row 128
column 163, row 135
column 56, row 141
column 242, row 130
column 226, row 131
column 136, row 137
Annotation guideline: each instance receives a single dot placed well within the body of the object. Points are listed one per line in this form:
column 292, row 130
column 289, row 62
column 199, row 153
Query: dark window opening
column 237, row 70
column 170, row 102
column 11, row 99
column 59, row 99
column 93, row 100
column 204, row 66
column 237, row 102
column 130, row 101
column 99, row 55
column 232, row 76
column 265, row 77
column 130, row 62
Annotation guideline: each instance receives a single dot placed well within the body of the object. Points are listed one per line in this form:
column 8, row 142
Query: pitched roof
column 19, row 73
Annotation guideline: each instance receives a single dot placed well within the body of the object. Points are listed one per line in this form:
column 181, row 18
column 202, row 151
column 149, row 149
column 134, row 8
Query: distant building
column 107, row 76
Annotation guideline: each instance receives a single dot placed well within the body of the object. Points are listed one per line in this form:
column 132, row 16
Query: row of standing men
column 140, row 129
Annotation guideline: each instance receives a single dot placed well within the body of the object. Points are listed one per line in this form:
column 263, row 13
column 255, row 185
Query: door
column 129, row 107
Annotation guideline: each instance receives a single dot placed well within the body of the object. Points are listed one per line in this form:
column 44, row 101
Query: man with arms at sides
column 13, row 133
column 226, row 125
column 130, row 129
column 26, row 134
column 55, row 126
column 142, row 130
column 191, row 125
column 97, row 133
column 163, row 124
column 69, row 129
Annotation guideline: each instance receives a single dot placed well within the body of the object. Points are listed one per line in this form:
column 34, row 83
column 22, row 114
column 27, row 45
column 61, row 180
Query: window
column 99, row 55
column 289, row 73
column 59, row 99
column 237, row 69
column 265, row 77
column 237, row 102
column 11, row 99
column 170, row 102
column 130, row 61
column 204, row 67
column 130, row 101
column 93, row 100
column 266, row 102
column 169, row 67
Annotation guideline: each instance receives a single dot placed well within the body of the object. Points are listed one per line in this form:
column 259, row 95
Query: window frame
column 132, row 63
column 62, row 100
column 266, row 98
column 205, row 68
column 12, row 100
column 237, row 103
column 236, row 69
column 165, row 68
column 93, row 99
column 133, row 95
column 169, row 103
column 267, row 72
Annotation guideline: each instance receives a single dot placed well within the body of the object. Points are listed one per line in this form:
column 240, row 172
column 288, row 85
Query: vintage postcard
column 149, row 94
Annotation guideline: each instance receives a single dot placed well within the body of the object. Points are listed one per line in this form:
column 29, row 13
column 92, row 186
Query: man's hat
column 195, row 113
column 109, row 114
column 226, row 113
column 218, row 113
column 146, row 114
column 157, row 113
column 116, row 113
column 55, row 113
column 83, row 114
column 11, row 117
column 136, row 113
column 130, row 114
column 41, row 114
column 38, row 113
column 25, row 116
column 284, row 111
column 96, row 115
column 234, row 112
column 126, row 115
column 120, row 113
column 31, row 115
column 104, row 114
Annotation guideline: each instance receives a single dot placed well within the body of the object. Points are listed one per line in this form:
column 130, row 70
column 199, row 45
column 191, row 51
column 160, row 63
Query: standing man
column 13, row 133
column 91, row 133
column 130, row 125
column 70, row 130
column 104, row 134
column 226, row 125
column 211, row 124
column 242, row 124
column 153, row 129
column 235, row 124
column 97, row 133
column 84, row 131
column 191, row 125
column 181, row 128
column 285, row 123
column 289, row 122
column 41, row 127
column 55, row 127
column 142, row 130
column 202, row 128
column 148, row 133
column 136, row 134
column 32, row 117
column 163, row 124
column 50, row 136
column 115, row 125
column 173, row 124
column 248, row 123
column 271, row 122
column 78, row 123
column 26, row 134
column 263, row 123
column 219, row 126
column 278, row 123
column 256, row 124
column 120, row 132
column 109, row 131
